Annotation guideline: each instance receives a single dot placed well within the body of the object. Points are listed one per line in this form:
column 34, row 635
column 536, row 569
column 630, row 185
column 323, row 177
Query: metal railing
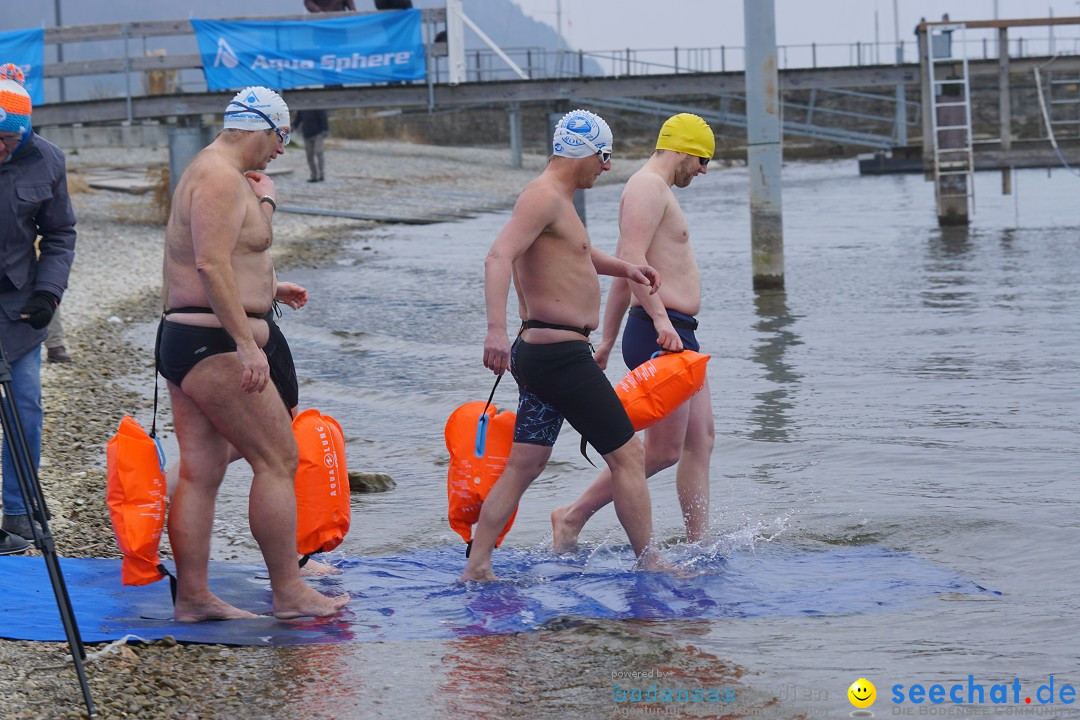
column 546, row 63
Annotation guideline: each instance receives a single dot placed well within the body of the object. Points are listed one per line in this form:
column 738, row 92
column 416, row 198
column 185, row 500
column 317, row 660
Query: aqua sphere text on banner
column 381, row 47
column 26, row 48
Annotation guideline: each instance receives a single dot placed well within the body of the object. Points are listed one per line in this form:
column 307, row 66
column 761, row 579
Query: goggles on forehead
column 603, row 154
column 283, row 135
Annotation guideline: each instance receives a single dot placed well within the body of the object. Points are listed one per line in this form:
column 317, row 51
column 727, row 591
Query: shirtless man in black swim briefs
column 219, row 285
column 179, row 359
column 546, row 250
column 653, row 229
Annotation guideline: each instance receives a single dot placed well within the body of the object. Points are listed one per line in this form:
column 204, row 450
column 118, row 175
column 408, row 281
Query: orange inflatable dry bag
column 136, row 499
column 323, row 513
column 479, row 442
column 661, row 384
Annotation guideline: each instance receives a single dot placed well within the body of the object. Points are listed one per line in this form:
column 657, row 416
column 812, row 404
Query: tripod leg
column 30, row 486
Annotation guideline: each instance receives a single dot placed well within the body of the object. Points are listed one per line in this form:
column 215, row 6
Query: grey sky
column 614, row 24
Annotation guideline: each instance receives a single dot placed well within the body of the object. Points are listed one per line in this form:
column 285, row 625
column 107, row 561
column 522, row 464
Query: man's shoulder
column 646, row 186
column 646, row 180
column 542, row 194
column 209, row 171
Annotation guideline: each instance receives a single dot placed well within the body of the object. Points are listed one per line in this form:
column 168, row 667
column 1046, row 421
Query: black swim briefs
column 560, row 380
column 639, row 336
column 181, row 347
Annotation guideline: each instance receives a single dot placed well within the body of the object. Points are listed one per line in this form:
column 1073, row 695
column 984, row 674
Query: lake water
column 913, row 390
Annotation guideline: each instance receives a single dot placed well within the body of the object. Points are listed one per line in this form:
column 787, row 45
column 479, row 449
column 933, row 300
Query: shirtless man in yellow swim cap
column 546, row 250
column 653, row 230
column 219, row 286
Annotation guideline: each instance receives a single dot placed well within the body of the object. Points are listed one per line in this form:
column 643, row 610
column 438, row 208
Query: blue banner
column 26, row 48
column 375, row 48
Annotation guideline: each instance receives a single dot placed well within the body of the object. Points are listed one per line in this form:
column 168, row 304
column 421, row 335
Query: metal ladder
column 1064, row 104
column 954, row 163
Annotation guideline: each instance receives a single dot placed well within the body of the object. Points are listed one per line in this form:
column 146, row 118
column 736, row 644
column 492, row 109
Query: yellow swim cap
column 688, row 134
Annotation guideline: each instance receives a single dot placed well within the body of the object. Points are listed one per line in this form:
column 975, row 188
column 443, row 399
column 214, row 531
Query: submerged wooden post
column 926, row 103
column 1004, row 107
column 763, row 145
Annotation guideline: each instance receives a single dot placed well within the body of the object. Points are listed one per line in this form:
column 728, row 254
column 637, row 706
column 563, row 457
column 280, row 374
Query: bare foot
column 564, row 533
column 314, row 568
column 654, row 561
column 478, row 574
column 303, row 601
column 209, row 608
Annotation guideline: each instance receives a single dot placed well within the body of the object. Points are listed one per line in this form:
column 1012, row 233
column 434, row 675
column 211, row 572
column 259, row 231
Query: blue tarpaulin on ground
column 416, row 595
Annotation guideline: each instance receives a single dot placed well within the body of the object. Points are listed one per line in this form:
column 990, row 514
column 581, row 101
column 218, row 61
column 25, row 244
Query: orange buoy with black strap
column 135, row 495
column 658, row 386
column 323, row 512
column 479, row 439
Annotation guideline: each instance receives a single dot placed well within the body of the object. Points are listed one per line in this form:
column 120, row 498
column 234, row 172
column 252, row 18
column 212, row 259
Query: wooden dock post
column 1005, row 107
column 763, row 145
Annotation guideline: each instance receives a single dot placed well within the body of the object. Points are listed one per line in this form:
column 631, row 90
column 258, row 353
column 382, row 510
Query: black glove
column 39, row 311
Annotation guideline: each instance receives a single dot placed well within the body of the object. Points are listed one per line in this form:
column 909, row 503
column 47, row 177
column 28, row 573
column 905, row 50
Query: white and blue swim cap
column 576, row 131
column 251, row 107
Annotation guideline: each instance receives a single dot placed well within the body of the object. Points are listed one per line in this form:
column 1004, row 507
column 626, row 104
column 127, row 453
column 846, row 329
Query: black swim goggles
column 283, row 135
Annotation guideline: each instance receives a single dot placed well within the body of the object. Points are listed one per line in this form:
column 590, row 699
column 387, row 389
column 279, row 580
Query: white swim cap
column 250, row 108
column 577, row 125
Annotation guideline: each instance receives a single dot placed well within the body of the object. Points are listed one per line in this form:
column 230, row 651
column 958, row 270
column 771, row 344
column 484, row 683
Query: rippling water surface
column 914, row 388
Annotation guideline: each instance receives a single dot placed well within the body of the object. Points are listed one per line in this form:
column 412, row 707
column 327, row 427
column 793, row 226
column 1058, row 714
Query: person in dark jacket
column 33, row 201
column 315, row 125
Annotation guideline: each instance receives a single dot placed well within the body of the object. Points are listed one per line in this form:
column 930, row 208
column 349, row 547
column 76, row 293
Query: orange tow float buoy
column 661, row 384
column 323, row 513
column 479, row 439
column 135, row 495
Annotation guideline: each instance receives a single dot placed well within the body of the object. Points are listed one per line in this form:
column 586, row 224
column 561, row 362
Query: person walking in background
column 55, row 350
column 546, row 250
column 329, row 5
column 315, row 126
column 33, row 275
column 653, row 230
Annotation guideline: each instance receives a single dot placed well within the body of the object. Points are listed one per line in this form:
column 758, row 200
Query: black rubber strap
column 584, row 450
column 529, row 324
column 172, row 580
column 208, row 311
column 491, row 395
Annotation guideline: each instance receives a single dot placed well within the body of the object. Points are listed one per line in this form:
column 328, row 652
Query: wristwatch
column 269, row 201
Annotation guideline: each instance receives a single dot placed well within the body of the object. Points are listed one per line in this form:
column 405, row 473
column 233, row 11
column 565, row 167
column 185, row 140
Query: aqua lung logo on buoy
column 329, row 460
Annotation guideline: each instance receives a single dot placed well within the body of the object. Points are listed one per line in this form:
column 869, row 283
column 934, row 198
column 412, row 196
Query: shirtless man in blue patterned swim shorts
column 545, row 249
